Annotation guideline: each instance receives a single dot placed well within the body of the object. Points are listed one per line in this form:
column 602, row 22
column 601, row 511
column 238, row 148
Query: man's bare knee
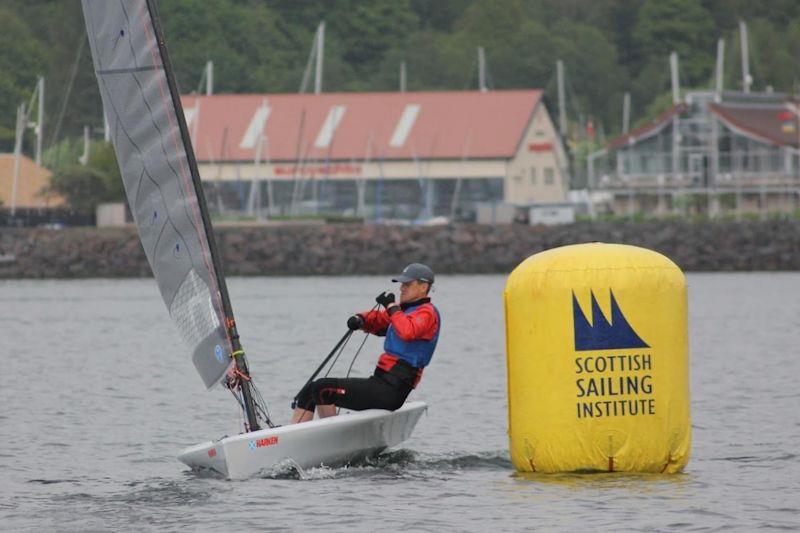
column 325, row 411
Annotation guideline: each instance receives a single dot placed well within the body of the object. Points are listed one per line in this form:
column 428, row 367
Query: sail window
column 404, row 125
column 325, row 135
column 256, row 126
column 192, row 309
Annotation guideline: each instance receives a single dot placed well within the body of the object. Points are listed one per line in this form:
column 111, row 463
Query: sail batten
column 160, row 177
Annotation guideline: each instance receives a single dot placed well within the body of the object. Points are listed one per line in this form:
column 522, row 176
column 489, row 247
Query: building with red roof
column 709, row 153
column 399, row 155
column 30, row 190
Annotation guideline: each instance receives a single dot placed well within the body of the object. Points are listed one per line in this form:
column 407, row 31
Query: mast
column 84, row 158
column 481, row 69
column 230, row 324
column 209, row 78
column 719, row 71
column 626, row 113
column 747, row 80
column 562, row 111
column 673, row 68
column 40, row 120
column 320, row 58
column 22, row 120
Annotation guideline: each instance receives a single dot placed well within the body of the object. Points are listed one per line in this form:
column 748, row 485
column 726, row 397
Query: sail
column 158, row 168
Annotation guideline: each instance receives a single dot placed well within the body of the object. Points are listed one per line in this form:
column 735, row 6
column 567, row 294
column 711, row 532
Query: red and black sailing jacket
column 411, row 332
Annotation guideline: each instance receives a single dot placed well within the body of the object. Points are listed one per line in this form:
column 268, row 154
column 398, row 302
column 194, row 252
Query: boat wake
column 400, row 463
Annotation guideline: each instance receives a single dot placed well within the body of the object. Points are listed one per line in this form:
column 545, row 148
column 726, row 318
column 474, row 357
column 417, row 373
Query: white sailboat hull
column 330, row 441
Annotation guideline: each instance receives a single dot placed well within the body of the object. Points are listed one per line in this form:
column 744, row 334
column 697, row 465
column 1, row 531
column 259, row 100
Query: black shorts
column 353, row 393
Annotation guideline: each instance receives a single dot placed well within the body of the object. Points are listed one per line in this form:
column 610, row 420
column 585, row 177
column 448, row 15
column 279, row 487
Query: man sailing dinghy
column 162, row 183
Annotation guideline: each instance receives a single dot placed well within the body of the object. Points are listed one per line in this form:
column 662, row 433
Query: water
column 95, row 406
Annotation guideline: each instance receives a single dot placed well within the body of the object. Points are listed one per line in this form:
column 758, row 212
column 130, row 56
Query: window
column 533, row 175
column 549, row 177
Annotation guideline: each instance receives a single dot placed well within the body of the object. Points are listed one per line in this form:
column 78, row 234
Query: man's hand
column 385, row 299
column 355, row 322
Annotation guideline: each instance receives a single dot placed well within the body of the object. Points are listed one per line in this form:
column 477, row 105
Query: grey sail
column 160, row 175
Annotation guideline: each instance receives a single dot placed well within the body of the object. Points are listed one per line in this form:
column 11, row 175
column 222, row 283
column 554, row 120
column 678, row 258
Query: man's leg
column 324, row 411
column 301, row 415
column 305, row 405
column 321, row 393
column 358, row 394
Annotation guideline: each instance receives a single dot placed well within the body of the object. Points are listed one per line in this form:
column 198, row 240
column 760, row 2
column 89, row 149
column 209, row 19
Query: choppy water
column 95, row 405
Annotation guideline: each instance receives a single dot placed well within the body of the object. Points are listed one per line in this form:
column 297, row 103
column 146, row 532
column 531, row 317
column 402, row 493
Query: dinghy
column 335, row 440
column 148, row 129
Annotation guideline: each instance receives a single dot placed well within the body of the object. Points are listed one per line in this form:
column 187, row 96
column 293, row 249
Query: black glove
column 385, row 298
column 355, row 322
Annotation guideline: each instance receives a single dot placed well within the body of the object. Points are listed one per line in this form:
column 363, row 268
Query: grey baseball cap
column 415, row 271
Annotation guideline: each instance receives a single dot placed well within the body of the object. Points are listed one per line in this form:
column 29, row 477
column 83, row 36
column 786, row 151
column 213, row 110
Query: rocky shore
column 361, row 249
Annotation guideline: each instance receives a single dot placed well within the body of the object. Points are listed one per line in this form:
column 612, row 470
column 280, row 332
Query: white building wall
column 538, row 171
column 393, row 170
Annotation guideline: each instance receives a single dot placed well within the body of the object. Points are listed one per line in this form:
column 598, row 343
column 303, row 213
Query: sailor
column 411, row 327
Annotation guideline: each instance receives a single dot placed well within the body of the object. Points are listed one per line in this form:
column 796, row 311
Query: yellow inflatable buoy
column 597, row 360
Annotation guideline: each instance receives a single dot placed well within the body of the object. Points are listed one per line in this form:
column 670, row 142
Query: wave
column 400, row 463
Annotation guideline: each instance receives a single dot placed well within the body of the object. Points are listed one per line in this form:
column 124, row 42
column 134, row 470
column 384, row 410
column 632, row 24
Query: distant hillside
column 608, row 46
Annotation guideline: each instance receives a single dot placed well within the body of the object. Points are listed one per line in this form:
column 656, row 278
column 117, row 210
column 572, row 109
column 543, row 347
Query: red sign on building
column 540, row 147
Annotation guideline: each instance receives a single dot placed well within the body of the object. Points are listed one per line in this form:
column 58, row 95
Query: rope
column 262, row 411
column 336, row 354
column 356, row 354
column 333, row 363
column 70, row 83
column 235, row 378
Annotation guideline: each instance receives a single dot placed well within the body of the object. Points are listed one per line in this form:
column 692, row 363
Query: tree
column 595, row 81
column 21, row 61
column 358, row 36
column 250, row 51
column 439, row 15
column 683, row 26
column 608, row 46
column 84, row 187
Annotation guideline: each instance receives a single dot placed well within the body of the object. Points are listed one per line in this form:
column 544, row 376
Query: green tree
column 250, row 54
column 683, row 26
column 726, row 14
column 595, row 81
column 439, row 15
column 103, row 159
column 608, row 46
column 22, row 59
column 58, row 27
column 84, row 187
column 358, row 37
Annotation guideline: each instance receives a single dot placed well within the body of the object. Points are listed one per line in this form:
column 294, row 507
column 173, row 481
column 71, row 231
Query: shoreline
column 356, row 249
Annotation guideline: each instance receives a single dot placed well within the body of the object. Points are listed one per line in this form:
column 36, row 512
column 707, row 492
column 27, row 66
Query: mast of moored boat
column 237, row 353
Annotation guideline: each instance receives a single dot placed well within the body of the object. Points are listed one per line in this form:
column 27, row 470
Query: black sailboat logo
column 600, row 334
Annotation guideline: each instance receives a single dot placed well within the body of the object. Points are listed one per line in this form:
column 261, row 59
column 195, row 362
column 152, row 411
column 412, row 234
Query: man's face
column 413, row 290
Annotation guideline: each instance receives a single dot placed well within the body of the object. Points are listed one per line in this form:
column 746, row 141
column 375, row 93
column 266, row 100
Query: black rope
column 358, row 351
column 366, row 336
column 262, row 411
column 307, row 384
column 333, row 363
